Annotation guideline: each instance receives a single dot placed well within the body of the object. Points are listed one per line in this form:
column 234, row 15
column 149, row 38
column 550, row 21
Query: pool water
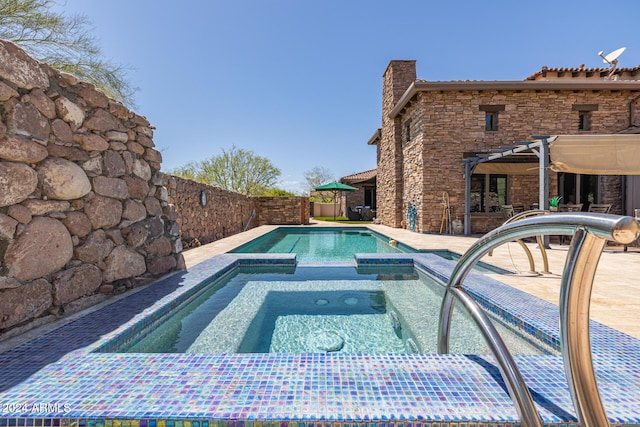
column 318, row 244
column 317, row 310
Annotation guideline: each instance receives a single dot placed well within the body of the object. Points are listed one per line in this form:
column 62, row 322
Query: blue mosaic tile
column 60, row 379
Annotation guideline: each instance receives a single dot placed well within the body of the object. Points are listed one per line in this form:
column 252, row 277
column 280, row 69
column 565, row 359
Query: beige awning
column 616, row 154
column 507, row 168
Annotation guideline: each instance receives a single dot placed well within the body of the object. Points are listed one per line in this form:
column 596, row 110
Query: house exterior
column 429, row 127
column 365, row 182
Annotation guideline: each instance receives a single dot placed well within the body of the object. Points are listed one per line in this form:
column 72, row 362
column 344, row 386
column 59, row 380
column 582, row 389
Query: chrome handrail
column 543, row 252
column 591, row 233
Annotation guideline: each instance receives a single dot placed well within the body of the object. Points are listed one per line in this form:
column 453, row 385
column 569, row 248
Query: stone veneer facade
column 83, row 212
column 446, row 122
column 397, row 78
column 226, row 213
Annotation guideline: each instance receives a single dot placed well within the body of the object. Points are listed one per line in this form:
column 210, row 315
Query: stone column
column 397, row 78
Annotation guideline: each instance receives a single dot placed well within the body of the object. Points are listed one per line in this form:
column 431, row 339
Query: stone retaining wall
column 83, row 212
column 224, row 213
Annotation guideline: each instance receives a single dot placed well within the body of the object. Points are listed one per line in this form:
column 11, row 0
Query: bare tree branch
column 65, row 43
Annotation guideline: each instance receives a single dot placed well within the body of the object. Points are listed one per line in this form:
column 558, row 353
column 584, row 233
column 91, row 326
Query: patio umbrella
column 336, row 187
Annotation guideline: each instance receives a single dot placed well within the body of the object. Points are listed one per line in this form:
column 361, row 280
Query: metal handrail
column 543, row 252
column 591, row 233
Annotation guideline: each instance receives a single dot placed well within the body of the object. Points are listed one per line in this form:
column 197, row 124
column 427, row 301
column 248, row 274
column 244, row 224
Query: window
column 584, row 120
column 491, row 121
column 491, row 116
column 585, row 113
column 488, row 192
column 407, row 131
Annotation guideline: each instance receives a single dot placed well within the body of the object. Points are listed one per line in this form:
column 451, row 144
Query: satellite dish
column 612, row 60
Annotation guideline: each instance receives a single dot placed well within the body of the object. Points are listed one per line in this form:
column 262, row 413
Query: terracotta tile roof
column 360, row 176
column 583, row 72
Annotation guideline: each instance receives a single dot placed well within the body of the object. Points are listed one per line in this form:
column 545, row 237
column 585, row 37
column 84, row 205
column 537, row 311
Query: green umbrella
column 335, row 187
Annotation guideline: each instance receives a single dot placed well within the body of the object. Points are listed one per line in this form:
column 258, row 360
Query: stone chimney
column 397, row 78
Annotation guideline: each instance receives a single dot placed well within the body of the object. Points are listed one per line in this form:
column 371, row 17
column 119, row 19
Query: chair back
column 507, row 211
column 365, row 214
column 599, row 208
column 569, row 207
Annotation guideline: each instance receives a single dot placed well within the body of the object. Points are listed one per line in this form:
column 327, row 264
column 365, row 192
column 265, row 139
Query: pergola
column 611, row 154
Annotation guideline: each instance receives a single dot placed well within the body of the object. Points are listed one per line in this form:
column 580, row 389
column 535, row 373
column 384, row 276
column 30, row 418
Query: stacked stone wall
column 413, row 184
column 352, row 198
column 223, row 213
column 282, row 210
column 397, row 78
column 524, row 190
column 83, row 213
column 610, row 190
column 452, row 124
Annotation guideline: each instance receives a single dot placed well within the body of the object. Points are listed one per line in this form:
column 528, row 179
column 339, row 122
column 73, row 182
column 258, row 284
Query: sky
column 299, row 82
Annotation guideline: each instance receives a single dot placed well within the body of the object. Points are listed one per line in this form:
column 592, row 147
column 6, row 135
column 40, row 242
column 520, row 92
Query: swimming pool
column 317, row 309
column 326, row 244
column 73, row 371
column 322, row 243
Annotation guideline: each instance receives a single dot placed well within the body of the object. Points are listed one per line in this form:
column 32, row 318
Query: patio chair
column 599, row 208
column 353, row 215
column 365, row 213
column 507, row 211
column 570, row 207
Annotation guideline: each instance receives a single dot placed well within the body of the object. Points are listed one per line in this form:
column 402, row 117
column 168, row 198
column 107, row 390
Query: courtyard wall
column 83, row 210
column 224, row 213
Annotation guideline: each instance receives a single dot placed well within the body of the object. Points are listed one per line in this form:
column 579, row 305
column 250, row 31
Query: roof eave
column 377, row 136
column 423, row 86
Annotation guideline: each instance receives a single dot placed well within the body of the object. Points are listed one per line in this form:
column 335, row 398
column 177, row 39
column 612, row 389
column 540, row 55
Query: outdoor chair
column 507, row 211
column 599, row 208
column 352, row 215
column 365, row 214
column 570, row 207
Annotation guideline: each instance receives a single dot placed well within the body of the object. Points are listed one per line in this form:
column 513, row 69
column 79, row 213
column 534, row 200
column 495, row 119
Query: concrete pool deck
column 615, row 300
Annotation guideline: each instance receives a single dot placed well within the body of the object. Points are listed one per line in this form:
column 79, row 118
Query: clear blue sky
column 299, row 82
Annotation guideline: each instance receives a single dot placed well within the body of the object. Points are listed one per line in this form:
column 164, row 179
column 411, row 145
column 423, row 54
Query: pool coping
column 343, row 388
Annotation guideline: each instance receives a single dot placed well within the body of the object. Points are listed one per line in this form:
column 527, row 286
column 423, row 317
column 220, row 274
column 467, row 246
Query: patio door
column 370, row 197
column 578, row 188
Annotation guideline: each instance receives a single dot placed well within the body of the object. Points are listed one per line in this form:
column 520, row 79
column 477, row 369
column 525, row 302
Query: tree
column 278, row 192
column 65, row 43
column 315, row 178
column 236, row 170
